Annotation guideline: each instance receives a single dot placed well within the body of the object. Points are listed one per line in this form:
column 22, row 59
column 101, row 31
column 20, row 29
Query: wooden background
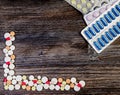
column 49, row 43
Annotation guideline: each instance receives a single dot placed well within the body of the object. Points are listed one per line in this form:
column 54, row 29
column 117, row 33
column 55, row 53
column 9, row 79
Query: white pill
column 5, row 66
column 44, row 79
column 9, row 77
column 52, row 87
column 6, row 35
column 6, row 55
column 10, row 52
column 14, row 77
column 8, row 43
column 5, row 75
column 5, row 50
column 39, row 88
column 12, row 47
column 7, row 59
column 17, row 86
column 73, row 80
column 13, row 39
column 46, row 86
column 57, row 87
column 30, row 83
column 18, row 77
column 6, row 70
column 54, row 81
column 31, row 77
column 14, row 82
column 12, row 66
column 76, row 88
column 11, row 87
column 39, row 77
column 35, row 85
column 82, row 83
column 11, row 72
column 12, row 61
column 26, row 81
column 67, row 87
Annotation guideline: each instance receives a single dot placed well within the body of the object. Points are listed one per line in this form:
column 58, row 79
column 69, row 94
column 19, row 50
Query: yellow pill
column 72, row 85
column 68, row 81
column 6, row 87
column 9, row 82
column 83, row 1
column 84, row 10
column 39, row 81
column 60, row 80
column 79, row 6
column 12, row 33
column 89, row 5
column 24, row 77
column 64, row 83
column 23, row 87
column 13, row 57
column 62, row 88
column 7, row 47
column 73, row 2
column 28, row 88
column 33, row 88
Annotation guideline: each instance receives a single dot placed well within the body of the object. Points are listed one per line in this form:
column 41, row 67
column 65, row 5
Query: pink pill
column 108, row 6
column 96, row 14
column 89, row 17
column 102, row 10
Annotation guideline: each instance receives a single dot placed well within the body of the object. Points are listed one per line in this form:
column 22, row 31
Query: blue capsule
column 115, row 12
column 100, row 25
column 108, row 35
column 103, row 21
column 88, row 35
column 108, row 19
column 92, row 31
column 96, row 28
column 116, row 29
column 118, row 7
column 118, row 24
column 97, row 46
column 101, row 42
column 112, row 16
column 104, row 38
column 112, row 32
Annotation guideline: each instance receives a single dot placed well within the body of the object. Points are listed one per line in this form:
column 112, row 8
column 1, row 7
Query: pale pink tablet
column 96, row 14
column 89, row 17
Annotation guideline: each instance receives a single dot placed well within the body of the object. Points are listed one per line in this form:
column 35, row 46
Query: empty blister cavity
column 106, row 28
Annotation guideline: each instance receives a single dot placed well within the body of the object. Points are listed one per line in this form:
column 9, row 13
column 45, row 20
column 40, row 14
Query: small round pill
column 46, row 86
column 17, row 86
column 39, row 88
column 12, row 47
column 82, row 83
column 8, row 43
column 18, row 77
column 6, row 35
column 11, row 87
column 67, row 87
column 30, row 83
column 12, row 57
column 11, row 72
column 12, row 66
column 5, row 66
column 67, row 81
column 9, row 82
column 6, row 70
column 76, row 88
column 39, row 77
column 5, row 75
column 24, row 87
column 24, row 77
column 72, row 85
column 6, row 87
column 73, row 80
column 73, row 2
column 10, row 52
column 60, row 80
column 7, row 47
column 54, row 80
column 44, row 79
column 9, row 77
column 13, row 39
column 28, row 88
column 7, row 59
column 12, row 33
column 14, row 82
column 57, row 87
column 33, row 88
column 5, row 50
column 52, row 87
column 79, row 6
column 31, row 77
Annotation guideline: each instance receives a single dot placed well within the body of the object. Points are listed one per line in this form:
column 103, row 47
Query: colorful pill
column 104, row 22
column 108, row 35
column 115, row 12
column 116, row 28
column 112, row 16
column 118, row 24
column 108, row 19
column 87, row 33
column 92, row 31
column 100, row 25
column 96, row 28
column 112, row 32
column 97, row 45
column 101, row 42
column 118, row 7
column 104, row 38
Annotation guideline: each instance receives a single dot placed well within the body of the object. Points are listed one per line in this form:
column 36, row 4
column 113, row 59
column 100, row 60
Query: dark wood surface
column 48, row 42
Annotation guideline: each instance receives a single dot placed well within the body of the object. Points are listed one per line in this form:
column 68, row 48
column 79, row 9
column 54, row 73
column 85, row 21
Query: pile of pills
column 16, row 82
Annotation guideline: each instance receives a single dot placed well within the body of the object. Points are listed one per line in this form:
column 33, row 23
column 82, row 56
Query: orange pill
column 60, row 80
column 12, row 33
column 68, row 81
column 28, row 88
column 12, row 57
column 7, row 47
column 9, row 82
column 72, row 85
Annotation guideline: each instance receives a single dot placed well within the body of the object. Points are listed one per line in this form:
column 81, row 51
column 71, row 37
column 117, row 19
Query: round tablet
column 76, row 88
column 52, row 87
column 6, row 35
column 30, row 83
column 18, row 77
column 5, row 50
column 10, row 52
column 54, row 80
column 31, row 77
column 12, row 66
column 5, row 66
column 44, row 79
column 14, row 82
column 73, row 80
column 9, row 77
column 46, row 86
column 67, row 87
column 39, row 88
column 7, row 59
column 13, row 39
column 11, row 72
column 39, row 77
column 12, row 47
column 17, row 86
column 11, row 87
column 6, row 70
column 96, row 14
column 57, row 87
column 8, row 43
column 82, row 83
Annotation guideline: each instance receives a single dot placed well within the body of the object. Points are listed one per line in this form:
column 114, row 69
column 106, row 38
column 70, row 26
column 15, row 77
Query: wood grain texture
column 48, row 42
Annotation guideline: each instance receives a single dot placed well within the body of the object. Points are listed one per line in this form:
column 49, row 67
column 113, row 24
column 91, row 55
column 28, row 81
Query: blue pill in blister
column 118, row 7
column 112, row 32
column 88, row 35
column 101, row 42
column 118, row 24
column 104, row 22
column 100, row 25
column 112, row 16
column 96, row 28
column 108, row 19
column 97, row 46
column 116, row 28
column 115, row 12
column 105, row 39
column 92, row 31
column 108, row 35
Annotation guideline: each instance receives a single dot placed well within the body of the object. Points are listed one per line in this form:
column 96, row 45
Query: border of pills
column 16, row 82
column 90, row 17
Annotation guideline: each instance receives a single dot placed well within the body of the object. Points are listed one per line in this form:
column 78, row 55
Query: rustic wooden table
column 49, row 43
